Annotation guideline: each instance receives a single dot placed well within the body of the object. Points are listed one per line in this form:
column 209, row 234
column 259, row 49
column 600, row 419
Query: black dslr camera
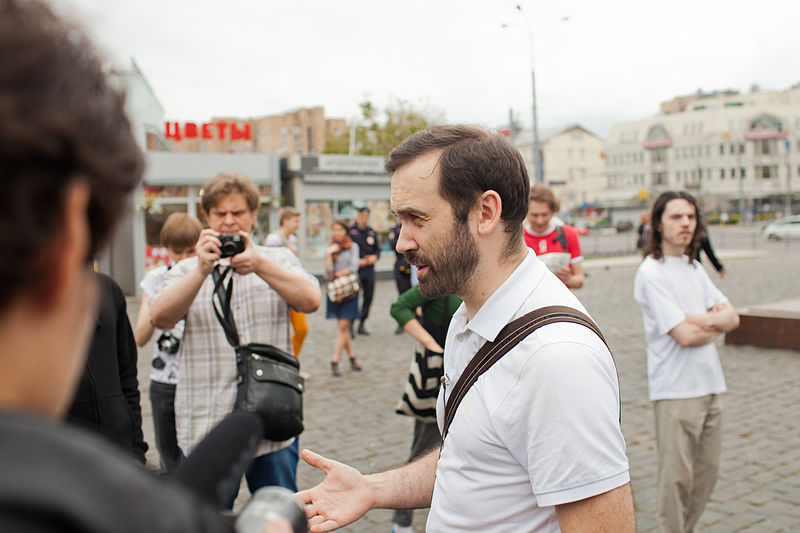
column 231, row 245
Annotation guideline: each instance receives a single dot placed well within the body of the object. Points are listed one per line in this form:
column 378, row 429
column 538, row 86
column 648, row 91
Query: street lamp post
column 537, row 148
column 741, row 180
column 788, row 206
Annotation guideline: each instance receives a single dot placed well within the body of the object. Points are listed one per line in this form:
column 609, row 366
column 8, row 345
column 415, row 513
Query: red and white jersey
column 548, row 243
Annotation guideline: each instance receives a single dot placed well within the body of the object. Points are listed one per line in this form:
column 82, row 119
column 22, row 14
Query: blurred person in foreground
column 536, row 444
column 266, row 282
column 69, row 162
column 544, row 237
column 286, row 237
column 179, row 235
column 683, row 314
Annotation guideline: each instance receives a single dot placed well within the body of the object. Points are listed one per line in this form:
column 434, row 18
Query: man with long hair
column 683, row 314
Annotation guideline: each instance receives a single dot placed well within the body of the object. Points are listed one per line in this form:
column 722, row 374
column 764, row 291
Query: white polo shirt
column 667, row 290
column 538, row 429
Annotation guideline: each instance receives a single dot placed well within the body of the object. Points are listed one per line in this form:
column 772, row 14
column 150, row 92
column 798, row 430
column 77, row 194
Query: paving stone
column 352, row 418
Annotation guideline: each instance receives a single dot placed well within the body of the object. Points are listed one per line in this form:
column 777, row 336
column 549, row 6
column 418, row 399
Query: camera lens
column 158, row 363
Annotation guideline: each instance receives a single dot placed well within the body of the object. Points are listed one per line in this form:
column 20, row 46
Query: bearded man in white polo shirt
column 536, row 443
column 683, row 313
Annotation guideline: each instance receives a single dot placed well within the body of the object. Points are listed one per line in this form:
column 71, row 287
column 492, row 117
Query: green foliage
column 378, row 130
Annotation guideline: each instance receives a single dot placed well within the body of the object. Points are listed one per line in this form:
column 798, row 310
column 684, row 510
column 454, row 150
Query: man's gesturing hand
column 343, row 497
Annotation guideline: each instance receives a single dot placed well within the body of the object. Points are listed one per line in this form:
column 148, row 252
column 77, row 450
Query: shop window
column 155, row 254
column 318, row 221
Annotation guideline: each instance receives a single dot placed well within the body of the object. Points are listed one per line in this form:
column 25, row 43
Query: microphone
column 272, row 506
column 216, row 466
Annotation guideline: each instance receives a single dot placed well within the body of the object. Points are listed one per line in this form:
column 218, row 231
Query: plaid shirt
column 207, row 376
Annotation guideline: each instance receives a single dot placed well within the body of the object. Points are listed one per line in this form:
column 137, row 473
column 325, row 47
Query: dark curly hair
column 653, row 246
column 473, row 160
column 60, row 121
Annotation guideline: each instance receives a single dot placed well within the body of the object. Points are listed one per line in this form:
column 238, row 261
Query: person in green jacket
column 422, row 388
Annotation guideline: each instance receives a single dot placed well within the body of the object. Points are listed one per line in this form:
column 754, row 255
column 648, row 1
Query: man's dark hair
column 60, row 122
column 473, row 161
column 653, row 246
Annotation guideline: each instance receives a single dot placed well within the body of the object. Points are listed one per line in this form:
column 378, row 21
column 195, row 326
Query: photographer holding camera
column 266, row 282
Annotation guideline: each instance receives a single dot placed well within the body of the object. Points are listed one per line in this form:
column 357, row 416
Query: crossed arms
column 700, row 329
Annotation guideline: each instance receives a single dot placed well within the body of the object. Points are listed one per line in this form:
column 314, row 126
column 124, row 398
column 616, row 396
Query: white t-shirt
column 275, row 239
column 164, row 366
column 539, row 428
column 667, row 290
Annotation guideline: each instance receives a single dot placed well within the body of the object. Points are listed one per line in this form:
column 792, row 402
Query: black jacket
column 107, row 398
column 57, row 478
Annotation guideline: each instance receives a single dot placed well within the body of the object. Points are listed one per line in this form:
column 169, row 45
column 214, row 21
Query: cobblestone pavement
column 351, row 419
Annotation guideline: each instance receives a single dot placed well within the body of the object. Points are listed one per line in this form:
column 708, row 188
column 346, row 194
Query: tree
column 378, row 131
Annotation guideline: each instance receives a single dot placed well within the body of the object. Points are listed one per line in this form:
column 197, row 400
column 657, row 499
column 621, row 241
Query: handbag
column 268, row 379
column 343, row 288
column 421, row 389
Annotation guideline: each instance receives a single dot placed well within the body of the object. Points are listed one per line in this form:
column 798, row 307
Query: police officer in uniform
column 402, row 270
column 369, row 251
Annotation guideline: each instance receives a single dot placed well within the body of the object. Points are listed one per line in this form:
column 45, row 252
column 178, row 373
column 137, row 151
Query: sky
column 467, row 60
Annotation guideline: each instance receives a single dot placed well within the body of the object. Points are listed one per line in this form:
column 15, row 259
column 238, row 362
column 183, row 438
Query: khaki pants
column 689, row 436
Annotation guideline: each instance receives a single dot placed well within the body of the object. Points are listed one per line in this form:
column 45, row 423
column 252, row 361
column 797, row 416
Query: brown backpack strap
column 514, row 332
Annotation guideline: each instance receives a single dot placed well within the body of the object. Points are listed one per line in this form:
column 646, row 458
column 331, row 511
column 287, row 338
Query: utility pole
column 788, row 207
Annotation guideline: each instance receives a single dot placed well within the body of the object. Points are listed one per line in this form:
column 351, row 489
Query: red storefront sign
column 208, row 130
column 757, row 135
column 657, row 143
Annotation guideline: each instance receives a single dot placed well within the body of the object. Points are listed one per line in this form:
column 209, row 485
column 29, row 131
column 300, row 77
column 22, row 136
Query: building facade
column 331, row 186
column 573, row 164
column 738, row 153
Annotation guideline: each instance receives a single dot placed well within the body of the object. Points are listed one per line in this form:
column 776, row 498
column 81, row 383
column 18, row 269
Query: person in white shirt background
column 683, row 314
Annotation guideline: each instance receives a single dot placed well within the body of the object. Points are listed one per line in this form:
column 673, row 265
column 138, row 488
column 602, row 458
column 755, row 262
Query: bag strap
column 221, row 302
column 514, row 332
column 561, row 238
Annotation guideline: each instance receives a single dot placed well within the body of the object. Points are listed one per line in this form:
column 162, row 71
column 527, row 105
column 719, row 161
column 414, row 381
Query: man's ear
column 490, row 207
column 65, row 256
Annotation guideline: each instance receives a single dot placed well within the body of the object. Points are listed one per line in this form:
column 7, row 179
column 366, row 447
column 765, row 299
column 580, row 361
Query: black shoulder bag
column 511, row 335
column 269, row 382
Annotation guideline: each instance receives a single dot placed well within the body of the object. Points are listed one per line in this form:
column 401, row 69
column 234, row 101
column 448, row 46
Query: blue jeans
column 162, row 398
column 276, row 468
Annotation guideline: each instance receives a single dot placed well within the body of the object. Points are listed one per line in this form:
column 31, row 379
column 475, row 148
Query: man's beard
column 451, row 264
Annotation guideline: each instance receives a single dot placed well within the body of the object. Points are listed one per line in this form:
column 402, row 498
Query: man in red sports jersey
column 545, row 237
